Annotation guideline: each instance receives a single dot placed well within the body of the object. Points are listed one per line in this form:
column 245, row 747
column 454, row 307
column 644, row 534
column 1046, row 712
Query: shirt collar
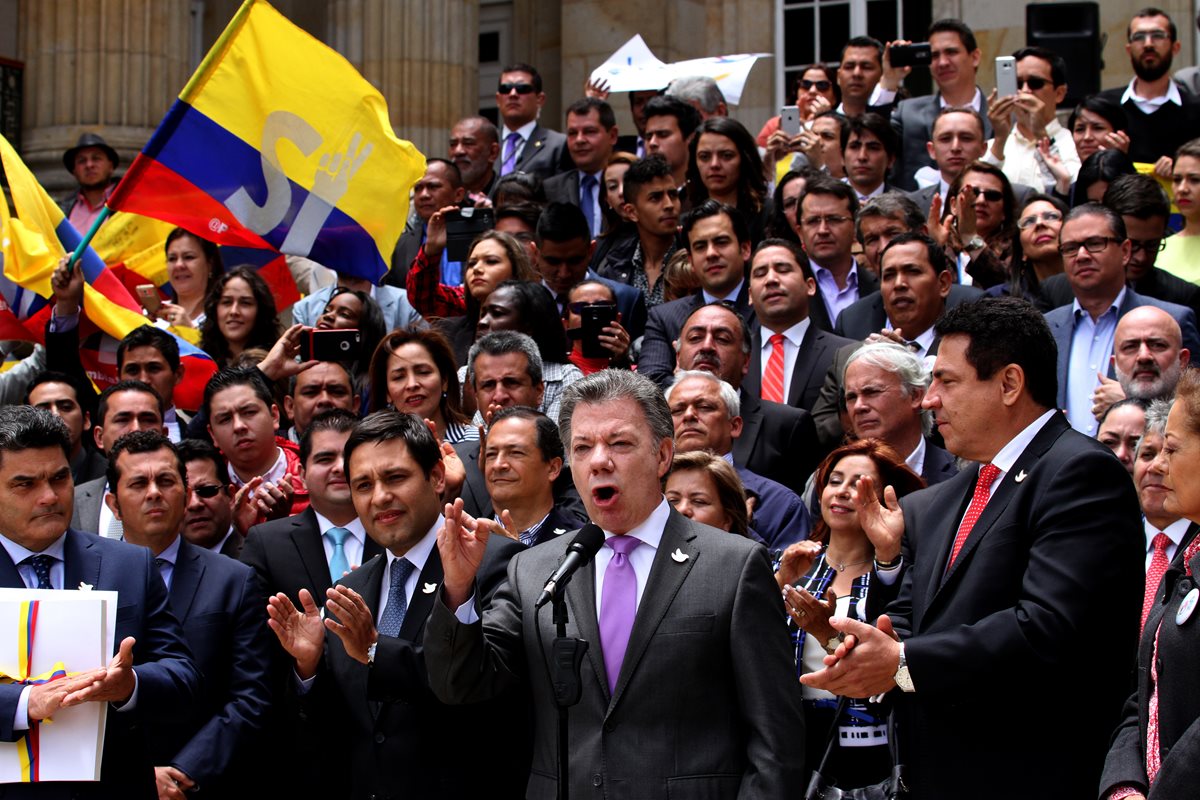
column 171, row 552
column 1175, row 532
column 1008, row 455
column 851, row 277
column 19, row 553
column 216, row 548
column 976, row 101
column 418, row 554
column 354, row 526
column 525, row 131
column 1077, row 309
column 925, row 338
column 651, row 530
column 916, row 459
column 273, row 475
column 1172, row 96
column 794, row 334
column 733, row 294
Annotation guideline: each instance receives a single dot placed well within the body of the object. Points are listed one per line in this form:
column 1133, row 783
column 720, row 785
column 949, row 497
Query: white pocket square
column 430, row 588
column 679, row 556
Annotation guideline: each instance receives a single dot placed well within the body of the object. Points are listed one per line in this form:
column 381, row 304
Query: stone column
column 421, row 54
column 109, row 66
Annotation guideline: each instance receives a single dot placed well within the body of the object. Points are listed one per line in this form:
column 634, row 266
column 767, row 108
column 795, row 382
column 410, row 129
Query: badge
column 1020, row 476
column 559, row 531
column 679, row 556
column 430, row 588
column 1187, row 607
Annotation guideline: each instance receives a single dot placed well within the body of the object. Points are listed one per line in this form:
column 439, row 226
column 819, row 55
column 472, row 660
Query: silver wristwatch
column 976, row 242
column 902, row 678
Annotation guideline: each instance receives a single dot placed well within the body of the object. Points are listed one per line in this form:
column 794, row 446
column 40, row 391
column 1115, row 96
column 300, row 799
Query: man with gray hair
column 705, row 412
column 1148, row 358
column 885, row 385
column 505, row 369
column 473, row 147
column 689, row 680
column 701, row 92
column 883, row 218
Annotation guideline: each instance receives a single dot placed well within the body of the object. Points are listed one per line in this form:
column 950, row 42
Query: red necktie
column 979, row 499
column 772, row 383
column 1154, row 575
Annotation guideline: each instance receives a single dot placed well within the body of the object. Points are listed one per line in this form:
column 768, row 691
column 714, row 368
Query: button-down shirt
column 83, row 214
column 836, row 300
column 1175, row 532
column 353, row 546
column 1148, row 105
column 274, row 474
column 417, row 555
column 1022, row 161
column 793, row 337
column 642, row 557
column 165, row 561
column 1091, row 350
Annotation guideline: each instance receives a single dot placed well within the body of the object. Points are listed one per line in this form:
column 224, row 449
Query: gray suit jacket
column 913, row 121
column 545, row 154
column 393, row 302
column 1061, row 322
column 707, row 697
column 89, row 497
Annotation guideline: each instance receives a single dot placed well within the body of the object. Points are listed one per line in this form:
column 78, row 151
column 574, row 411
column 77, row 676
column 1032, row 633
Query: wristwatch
column 902, row 678
column 834, row 641
column 371, row 653
column 976, row 242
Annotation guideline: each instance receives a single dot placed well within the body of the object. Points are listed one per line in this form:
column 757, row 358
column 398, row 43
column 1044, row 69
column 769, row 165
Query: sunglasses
column 208, row 491
column 519, row 88
column 822, row 86
column 991, row 195
column 1034, row 83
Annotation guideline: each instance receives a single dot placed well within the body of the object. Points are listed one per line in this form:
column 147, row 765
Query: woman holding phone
column 193, row 266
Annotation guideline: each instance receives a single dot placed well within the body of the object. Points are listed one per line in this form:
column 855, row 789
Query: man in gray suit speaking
column 688, row 685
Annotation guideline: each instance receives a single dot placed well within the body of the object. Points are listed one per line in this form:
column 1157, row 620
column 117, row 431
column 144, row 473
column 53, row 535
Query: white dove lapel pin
column 429, row 588
column 1020, row 476
column 679, row 556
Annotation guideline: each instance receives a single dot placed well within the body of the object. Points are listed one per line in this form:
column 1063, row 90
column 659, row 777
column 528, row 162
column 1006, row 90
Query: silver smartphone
column 789, row 120
column 1006, row 76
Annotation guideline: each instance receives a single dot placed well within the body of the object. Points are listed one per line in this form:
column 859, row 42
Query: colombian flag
column 35, row 239
column 277, row 142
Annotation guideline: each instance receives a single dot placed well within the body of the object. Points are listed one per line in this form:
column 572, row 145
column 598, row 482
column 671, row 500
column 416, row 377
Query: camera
column 330, row 345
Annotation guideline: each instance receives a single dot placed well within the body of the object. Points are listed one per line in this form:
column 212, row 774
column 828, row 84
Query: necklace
column 844, row 567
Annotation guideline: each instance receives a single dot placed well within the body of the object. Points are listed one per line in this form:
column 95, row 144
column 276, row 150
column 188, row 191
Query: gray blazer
column 707, row 698
column 89, row 497
column 545, row 154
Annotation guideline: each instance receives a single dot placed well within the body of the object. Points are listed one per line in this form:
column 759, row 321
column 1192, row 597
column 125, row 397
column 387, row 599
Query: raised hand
column 281, row 362
column 882, row 520
column 461, row 543
column 796, row 561
column 355, row 624
column 300, row 632
column 67, row 284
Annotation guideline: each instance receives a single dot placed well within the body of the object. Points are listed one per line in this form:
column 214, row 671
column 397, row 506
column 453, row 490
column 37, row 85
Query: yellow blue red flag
column 278, row 142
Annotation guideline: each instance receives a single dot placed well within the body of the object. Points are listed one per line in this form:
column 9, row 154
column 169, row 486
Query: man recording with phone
column 688, row 680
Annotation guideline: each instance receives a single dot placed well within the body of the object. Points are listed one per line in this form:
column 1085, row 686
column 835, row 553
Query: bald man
column 1148, row 358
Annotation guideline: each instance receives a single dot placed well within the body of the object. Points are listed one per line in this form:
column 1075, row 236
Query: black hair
column 957, row 26
column 534, row 75
column 752, row 188
column 778, row 225
column 338, row 420
column 1002, row 331
column 934, row 252
column 826, row 185
column 538, row 317
column 388, row 425
column 1058, row 64
column 200, row 450
column 685, row 114
column 875, row 125
column 150, row 336
column 211, row 252
column 711, row 208
column 237, row 376
column 586, row 105
column 1101, row 166
column 1138, row 196
column 864, row 41
column 640, row 173
column 792, row 247
column 124, row 386
column 548, row 441
column 1104, row 107
column 51, row 376
column 747, row 336
column 562, row 222
column 371, row 328
column 1152, row 11
column 1116, row 223
column 519, row 188
column 29, row 428
column 137, row 443
column 266, row 330
column 455, row 174
column 528, row 213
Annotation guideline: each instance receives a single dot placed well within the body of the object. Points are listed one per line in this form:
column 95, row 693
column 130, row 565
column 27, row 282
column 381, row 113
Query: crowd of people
column 888, row 424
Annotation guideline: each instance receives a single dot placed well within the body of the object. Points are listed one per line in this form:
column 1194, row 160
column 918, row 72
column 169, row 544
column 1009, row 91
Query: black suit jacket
column 478, row 502
column 868, row 316
column 558, row 523
column 663, row 326
column 939, row 464
column 93, row 465
column 168, row 680
column 392, row 731
column 233, row 546
column 1178, row 698
column 219, row 606
column 1041, row 605
column 819, row 314
column 813, row 358
column 777, row 441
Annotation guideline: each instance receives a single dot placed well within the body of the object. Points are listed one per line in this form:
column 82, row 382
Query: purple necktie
column 618, row 604
column 587, row 201
column 510, row 148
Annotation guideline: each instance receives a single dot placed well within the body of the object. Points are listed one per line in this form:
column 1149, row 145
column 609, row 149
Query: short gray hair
column 729, row 395
column 697, row 88
column 28, row 428
column 890, row 205
column 901, row 362
column 1156, row 420
column 499, row 343
column 616, row 384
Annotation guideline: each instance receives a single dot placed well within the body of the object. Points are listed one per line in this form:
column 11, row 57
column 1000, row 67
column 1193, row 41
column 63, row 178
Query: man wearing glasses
column 1162, row 116
column 525, row 146
column 1041, row 85
column 1095, row 249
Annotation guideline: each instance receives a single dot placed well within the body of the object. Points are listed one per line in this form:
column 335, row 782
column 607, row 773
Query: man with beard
column 1162, row 115
column 474, row 145
column 1148, row 358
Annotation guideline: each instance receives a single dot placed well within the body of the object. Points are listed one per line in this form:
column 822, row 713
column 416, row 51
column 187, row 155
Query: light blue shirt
column 1091, row 349
column 836, row 299
column 169, row 555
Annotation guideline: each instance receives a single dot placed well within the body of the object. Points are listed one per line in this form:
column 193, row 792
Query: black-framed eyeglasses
column 822, row 86
column 1033, row 219
column 1148, row 245
column 1093, row 244
column 1034, row 83
column 519, row 88
column 208, row 490
column 577, row 308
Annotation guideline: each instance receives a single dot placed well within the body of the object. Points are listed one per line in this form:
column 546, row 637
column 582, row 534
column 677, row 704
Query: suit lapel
column 306, row 535
column 81, row 561
column 537, row 138
column 581, row 605
column 752, row 420
column 818, row 313
column 666, row 576
column 1062, row 337
column 752, row 383
column 185, row 580
column 9, row 577
column 803, row 366
column 421, row 602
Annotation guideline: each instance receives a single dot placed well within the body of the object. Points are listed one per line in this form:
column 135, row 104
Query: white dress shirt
column 1175, row 532
column 1022, row 161
column 417, row 555
column 274, row 474
column 1148, row 105
column 793, row 337
column 106, row 515
column 916, row 459
column 924, row 339
column 353, row 546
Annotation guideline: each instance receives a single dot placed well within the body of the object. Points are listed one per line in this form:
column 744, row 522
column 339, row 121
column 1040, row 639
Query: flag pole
column 104, row 214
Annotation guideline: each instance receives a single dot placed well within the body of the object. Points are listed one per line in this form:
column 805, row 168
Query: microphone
column 579, row 554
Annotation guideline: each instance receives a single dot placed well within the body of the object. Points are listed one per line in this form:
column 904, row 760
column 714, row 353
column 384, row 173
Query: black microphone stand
column 567, row 659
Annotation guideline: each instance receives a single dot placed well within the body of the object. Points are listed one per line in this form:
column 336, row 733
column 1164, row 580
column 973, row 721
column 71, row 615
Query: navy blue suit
column 1061, row 325
column 168, row 680
column 219, row 605
column 780, row 517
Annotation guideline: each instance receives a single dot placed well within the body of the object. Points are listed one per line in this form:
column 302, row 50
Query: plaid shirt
column 428, row 295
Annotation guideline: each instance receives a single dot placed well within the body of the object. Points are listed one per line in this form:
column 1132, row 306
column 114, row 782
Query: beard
column 1152, row 73
column 1161, row 387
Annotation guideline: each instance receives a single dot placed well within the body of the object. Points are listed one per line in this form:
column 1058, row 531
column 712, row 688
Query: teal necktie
column 338, row 565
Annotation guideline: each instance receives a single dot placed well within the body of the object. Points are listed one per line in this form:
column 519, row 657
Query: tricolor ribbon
column 27, row 745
